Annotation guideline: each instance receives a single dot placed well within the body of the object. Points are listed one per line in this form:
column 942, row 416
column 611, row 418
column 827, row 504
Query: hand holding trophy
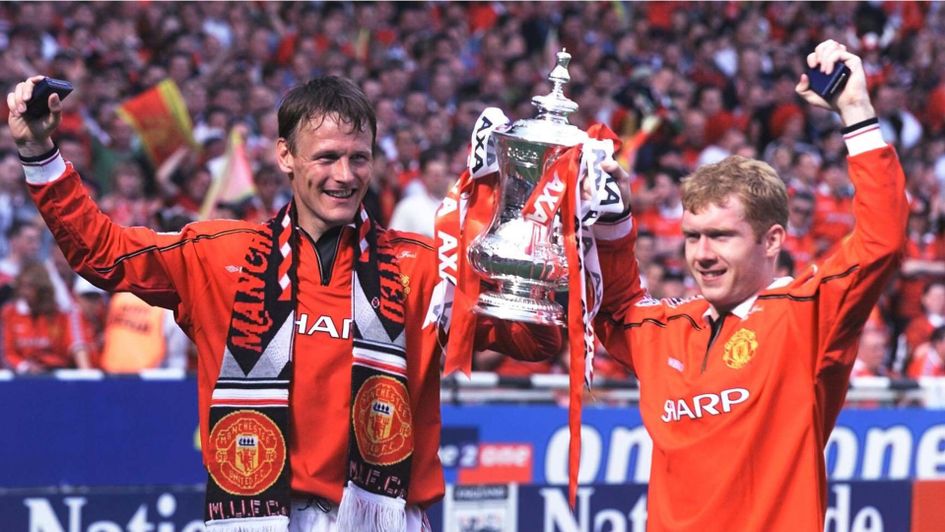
column 518, row 218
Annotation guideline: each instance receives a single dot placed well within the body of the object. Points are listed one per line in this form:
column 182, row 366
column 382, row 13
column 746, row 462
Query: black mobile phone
column 38, row 106
column 828, row 85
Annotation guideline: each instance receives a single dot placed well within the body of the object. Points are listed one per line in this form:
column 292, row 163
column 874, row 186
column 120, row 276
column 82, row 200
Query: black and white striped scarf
column 248, row 482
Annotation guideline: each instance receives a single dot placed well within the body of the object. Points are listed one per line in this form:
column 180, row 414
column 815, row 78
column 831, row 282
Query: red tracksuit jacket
column 194, row 273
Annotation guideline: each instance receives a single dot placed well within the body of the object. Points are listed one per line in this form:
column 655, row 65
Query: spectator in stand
column 127, row 204
column 804, row 172
column 924, row 264
column 929, row 357
column 872, row 356
column 25, row 240
column 417, row 210
column 15, row 206
column 92, row 307
column 664, row 216
column 921, row 327
column 799, row 240
column 674, row 284
column 896, row 121
column 139, row 336
column 785, row 266
column 37, row 335
column 645, row 250
column 833, row 208
column 272, row 189
column 731, row 142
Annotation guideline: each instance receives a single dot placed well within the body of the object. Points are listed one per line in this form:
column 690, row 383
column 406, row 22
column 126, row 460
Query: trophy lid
column 551, row 125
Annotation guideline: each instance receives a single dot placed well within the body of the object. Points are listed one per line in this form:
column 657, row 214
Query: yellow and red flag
column 160, row 117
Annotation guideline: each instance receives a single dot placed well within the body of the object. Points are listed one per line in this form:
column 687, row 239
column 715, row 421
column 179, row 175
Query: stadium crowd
column 683, row 83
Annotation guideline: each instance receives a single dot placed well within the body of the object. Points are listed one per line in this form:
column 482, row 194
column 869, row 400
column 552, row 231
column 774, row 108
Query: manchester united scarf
column 248, row 464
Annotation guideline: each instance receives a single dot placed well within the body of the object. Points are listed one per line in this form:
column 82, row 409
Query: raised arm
column 110, row 256
column 851, row 280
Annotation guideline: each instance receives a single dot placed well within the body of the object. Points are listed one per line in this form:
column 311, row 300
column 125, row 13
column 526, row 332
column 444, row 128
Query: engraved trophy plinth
column 523, row 257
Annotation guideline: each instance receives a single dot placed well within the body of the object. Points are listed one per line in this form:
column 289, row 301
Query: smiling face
column 725, row 257
column 330, row 169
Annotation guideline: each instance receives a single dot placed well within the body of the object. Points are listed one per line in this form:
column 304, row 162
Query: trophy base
column 517, row 308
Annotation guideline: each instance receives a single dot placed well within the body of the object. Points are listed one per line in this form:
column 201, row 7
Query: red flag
column 160, row 117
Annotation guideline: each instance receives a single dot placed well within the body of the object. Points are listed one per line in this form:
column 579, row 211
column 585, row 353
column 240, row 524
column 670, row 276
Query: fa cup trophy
column 524, row 257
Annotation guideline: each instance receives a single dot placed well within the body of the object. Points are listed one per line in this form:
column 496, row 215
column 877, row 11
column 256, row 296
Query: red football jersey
column 739, row 424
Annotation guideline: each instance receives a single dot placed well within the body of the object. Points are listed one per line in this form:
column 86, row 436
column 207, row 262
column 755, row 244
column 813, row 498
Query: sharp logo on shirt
column 712, row 404
column 324, row 325
column 740, row 348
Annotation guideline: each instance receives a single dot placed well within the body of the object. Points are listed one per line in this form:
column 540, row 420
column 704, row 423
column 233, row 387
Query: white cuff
column 45, row 171
column 863, row 140
column 613, row 231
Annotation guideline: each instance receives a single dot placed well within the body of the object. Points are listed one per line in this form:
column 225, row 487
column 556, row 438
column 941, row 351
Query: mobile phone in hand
column 828, row 85
column 38, row 106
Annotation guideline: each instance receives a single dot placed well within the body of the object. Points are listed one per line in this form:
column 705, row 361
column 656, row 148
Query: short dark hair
column 430, row 155
column 321, row 97
column 17, row 227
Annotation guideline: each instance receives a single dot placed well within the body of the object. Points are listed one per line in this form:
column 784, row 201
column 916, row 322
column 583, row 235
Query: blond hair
column 754, row 182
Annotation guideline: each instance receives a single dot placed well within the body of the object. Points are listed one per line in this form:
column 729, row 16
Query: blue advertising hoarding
column 112, row 432
column 877, row 444
column 126, row 431
column 852, row 507
column 123, row 451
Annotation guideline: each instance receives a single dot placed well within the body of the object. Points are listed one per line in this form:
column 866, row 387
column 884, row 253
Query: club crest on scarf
column 382, row 421
column 248, row 453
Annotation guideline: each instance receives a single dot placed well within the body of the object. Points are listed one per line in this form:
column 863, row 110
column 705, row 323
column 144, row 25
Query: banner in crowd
column 159, row 116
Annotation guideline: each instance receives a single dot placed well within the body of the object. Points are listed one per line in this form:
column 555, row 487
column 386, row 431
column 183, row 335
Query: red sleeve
column 115, row 258
column 622, row 290
column 853, row 278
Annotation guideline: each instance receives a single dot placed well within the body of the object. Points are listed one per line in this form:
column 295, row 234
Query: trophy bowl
column 525, row 259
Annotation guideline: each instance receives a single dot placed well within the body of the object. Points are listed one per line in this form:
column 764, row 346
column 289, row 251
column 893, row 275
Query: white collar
column 743, row 309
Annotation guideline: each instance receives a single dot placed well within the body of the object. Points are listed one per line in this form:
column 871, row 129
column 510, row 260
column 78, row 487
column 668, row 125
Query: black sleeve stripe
column 177, row 244
column 825, row 280
column 654, row 321
column 695, row 324
column 412, row 241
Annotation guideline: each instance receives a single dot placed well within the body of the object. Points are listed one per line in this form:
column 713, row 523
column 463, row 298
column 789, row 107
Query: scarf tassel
column 363, row 511
column 256, row 524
